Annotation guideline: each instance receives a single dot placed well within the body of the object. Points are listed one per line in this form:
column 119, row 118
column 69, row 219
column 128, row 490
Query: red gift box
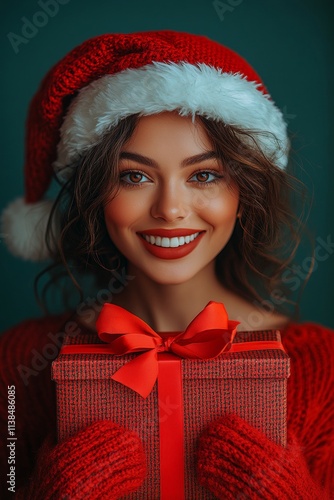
column 188, row 396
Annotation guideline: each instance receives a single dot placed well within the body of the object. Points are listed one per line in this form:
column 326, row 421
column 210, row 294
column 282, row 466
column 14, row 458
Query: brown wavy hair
column 264, row 240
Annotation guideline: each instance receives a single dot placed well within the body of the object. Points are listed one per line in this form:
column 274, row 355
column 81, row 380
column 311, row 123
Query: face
column 174, row 211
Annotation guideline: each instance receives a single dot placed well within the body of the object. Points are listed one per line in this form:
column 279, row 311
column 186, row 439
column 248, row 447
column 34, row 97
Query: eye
column 133, row 177
column 205, row 177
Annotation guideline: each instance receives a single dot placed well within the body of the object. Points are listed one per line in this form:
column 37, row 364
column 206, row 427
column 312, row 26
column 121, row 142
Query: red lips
column 171, row 253
column 171, row 233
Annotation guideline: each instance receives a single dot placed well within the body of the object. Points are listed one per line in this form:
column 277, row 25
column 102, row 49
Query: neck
column 170, row 307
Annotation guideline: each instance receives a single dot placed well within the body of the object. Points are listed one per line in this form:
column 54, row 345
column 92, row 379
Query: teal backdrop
column 287, row 41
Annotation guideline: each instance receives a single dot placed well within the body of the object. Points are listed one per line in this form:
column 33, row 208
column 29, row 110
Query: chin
column 168, row 278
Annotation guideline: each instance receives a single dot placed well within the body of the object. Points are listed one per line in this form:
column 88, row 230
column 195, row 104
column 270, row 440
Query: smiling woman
column 172, row 159
column 167, row 196
column 162, row 173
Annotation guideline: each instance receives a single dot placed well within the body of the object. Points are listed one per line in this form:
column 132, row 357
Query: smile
column 170, row 244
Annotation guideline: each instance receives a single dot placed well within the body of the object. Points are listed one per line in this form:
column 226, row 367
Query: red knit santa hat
column 113, row 76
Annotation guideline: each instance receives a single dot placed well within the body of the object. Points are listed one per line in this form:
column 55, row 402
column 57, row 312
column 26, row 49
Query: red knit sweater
column 106, row 461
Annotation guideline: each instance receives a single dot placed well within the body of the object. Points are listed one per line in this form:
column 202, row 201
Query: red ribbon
column 210, row 334
column 171, row 427
column 207, row 336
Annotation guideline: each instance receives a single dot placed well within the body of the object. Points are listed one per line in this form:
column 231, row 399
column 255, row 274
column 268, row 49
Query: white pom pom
column 24, row 228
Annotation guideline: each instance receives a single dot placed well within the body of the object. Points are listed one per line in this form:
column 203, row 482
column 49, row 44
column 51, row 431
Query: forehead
column 169, row 132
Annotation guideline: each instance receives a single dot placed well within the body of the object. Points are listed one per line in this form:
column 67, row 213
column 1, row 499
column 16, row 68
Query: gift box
column 188, row 395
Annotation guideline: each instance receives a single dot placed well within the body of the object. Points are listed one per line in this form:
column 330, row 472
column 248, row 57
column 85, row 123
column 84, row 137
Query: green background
column 288, row 42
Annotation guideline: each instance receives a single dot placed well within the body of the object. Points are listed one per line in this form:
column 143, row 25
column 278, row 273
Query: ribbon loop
column 210, row 334
column 207, row 336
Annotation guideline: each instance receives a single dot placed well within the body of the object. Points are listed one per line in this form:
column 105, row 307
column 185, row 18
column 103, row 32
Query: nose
column 170, row 203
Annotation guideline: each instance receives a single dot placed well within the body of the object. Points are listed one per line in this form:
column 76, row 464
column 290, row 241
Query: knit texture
column 310, row 416
column 112, row 76
column 106, row 55
column 233, row 457
column 103, row 461
column 86, row 392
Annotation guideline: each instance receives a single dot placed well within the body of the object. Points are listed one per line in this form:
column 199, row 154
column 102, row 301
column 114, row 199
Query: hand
column 103, row 461
column 237, row 461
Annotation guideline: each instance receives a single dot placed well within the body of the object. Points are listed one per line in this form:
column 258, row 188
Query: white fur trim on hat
column 24, row 228
column 157, row 87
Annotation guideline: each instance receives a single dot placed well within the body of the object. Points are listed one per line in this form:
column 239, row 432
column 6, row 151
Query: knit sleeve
column 26, row 353
column 236, row 459
column 311, row 397
column 102, row 461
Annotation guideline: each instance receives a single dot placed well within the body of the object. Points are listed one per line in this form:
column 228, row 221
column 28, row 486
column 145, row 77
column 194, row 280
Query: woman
column 172, row 158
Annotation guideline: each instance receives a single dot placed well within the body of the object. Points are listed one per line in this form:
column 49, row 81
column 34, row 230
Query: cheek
column 122, row 212
column 220, row 211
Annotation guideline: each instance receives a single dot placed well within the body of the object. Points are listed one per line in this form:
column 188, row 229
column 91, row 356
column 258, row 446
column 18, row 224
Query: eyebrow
column 144, row 160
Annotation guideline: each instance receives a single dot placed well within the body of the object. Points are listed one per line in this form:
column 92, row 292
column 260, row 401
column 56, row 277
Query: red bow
column 207, row 336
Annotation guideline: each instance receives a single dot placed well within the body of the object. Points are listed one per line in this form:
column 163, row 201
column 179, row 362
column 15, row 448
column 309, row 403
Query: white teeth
column 170, row 242
column 165, row 242
column 174, row 242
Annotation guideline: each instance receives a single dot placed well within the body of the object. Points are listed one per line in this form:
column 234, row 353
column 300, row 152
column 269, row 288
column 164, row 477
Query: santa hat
column 113, row 76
